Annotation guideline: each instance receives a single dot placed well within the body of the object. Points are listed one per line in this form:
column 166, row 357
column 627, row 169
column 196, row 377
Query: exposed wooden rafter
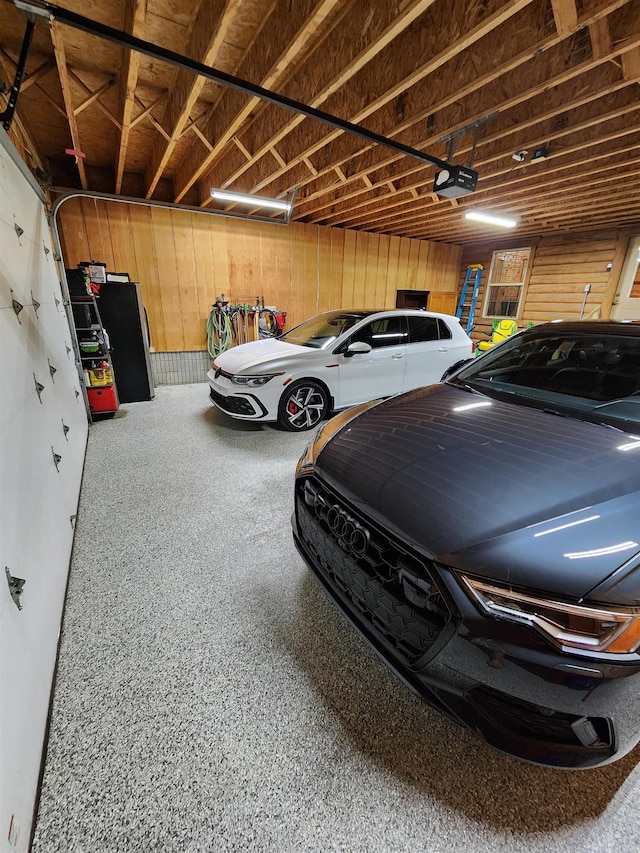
column 65, row 84
column 209, row 30
column 134, row 21
column 555, row 74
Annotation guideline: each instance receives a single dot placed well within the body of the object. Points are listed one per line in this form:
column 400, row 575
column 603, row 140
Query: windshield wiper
column 464, row 387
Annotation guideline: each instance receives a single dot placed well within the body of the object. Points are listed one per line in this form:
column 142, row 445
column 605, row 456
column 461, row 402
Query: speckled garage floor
column 209, row 698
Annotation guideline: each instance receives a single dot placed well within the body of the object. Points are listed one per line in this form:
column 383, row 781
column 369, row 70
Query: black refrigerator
column 125, row 320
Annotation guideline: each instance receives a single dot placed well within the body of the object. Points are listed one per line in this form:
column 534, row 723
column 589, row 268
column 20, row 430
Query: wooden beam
column 65, row 85
column 600, row 35
column 135, row 15
column 631, row 64
column 545, row 89
column 293, row 34
column 98, row 93
column 76, row 79
column 146, row 110
column 373, row 59
column 41, row 71
column 210, row 28
column 565, row 15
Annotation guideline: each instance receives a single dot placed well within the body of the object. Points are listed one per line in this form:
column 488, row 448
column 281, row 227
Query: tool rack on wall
column 95, row 356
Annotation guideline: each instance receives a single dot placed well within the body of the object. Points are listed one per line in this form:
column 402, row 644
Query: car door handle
column 443, row 349
column 397, row 355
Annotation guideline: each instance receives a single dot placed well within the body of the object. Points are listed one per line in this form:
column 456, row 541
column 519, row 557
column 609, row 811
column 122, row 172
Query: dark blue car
column 483, row 536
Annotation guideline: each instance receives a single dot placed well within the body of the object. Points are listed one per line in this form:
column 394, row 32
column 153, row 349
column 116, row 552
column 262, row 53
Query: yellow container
column 100, row 376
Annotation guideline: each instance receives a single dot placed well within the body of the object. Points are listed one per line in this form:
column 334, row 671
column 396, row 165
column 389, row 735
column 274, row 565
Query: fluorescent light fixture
column 490, row 219
column 255, row 200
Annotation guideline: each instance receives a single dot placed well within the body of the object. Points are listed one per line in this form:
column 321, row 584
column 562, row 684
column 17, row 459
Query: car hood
column 503, row 491
column 260, row 354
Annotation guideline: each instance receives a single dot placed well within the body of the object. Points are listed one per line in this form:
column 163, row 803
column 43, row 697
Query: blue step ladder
column 473, row 271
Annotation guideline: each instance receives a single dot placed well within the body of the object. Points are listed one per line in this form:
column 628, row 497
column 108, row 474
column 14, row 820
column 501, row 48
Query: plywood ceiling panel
column 558, row 74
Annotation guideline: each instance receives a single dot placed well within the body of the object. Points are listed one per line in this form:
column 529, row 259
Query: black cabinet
column 125, row 320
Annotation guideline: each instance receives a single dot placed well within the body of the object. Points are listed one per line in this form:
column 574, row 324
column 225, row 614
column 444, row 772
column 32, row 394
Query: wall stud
column 16, row 586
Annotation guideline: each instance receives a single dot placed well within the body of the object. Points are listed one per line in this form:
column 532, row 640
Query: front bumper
column 241, row 403
column 500, row 680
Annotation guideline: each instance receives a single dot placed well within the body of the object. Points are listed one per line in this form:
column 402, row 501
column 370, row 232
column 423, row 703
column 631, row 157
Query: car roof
column 611, row 327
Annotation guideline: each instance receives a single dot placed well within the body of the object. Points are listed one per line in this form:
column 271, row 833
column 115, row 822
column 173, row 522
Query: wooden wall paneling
column 403, row 282
column 426, row 275
column 372, row 247
column 381, row 272
column 219, row 251
column 392, row 272
column 183, row 237
column 282, row 271
column 337, row 237
column 326, row 290
column 412, row 266
column 204, row 275
column 443, row 302
column 349, row 269
column 299, row 286
column 74, row 238
column 98, row 231
column 360, row 270
column 147, row 264
column 310, row 275
column 617, row 266
column 122, row 240
column 168, row 290
column 271, row 286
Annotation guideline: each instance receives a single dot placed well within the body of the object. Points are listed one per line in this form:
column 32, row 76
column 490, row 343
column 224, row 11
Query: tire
column 303, row 405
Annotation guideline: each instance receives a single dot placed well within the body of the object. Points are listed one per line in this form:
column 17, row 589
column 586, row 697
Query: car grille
column 548, row 726
column 390, row 588
column 235, row 405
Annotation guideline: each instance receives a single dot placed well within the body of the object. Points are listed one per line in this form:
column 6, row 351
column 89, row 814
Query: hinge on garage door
column 16, row 586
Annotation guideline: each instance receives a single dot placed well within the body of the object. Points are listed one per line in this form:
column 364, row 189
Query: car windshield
column 321, row 331
column 590, row 375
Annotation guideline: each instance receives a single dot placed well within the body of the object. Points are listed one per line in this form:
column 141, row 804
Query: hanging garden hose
column 219, row 330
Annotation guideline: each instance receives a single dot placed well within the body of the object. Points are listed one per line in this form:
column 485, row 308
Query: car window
column 423, row 329
column 320, row 332
column 596, row 374
column 385, row 332
column 445, row 331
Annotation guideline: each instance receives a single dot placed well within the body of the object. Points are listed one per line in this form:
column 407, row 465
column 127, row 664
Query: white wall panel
column 37, row 496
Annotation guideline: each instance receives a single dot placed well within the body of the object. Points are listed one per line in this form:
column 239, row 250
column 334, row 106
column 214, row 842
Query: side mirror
column 357, row 348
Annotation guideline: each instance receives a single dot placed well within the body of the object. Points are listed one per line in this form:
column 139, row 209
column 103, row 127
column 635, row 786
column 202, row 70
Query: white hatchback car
column 335, row 360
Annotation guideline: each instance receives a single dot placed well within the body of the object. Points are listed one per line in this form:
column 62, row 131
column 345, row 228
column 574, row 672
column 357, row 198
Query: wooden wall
column 560, row 266
column 185, row 260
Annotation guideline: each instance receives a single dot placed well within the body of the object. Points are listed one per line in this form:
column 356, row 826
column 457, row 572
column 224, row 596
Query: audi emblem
column 351, row 535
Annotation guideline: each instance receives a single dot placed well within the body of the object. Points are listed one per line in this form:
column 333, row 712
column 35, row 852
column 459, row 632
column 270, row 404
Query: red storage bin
column 102, row 399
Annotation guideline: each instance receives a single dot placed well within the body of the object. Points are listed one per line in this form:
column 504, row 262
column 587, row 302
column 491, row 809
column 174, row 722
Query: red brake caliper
column 292, row 408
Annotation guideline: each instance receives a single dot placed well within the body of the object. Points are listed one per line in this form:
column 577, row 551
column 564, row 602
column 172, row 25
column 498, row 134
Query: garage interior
column 206, row 696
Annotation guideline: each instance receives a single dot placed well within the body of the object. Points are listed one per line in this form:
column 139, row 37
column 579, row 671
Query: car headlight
column 570, row 626
column 254, row 381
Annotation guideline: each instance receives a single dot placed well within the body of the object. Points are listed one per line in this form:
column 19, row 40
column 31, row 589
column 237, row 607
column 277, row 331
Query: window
column 422, row 329
column 387, row 332
column 506, row 281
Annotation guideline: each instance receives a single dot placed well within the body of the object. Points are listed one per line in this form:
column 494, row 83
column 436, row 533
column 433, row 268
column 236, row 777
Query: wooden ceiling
column 510, row 76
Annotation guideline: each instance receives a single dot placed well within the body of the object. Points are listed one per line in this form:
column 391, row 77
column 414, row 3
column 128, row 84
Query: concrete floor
column 209, row 698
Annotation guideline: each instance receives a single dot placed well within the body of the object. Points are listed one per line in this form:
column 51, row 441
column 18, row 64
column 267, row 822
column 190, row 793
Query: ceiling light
column 490, row 219
column 254, row 200
column 518, row 156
